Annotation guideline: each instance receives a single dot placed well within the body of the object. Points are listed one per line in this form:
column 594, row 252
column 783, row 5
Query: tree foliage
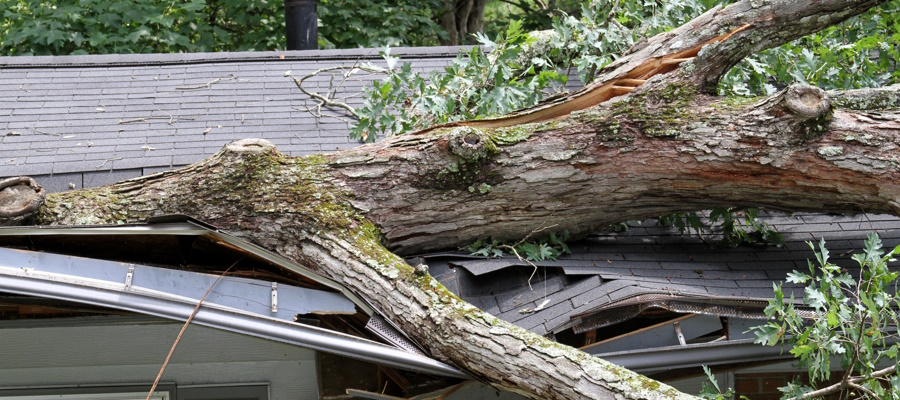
column 59, row 27
column 853, row 319
column 475, row 85
column 348, row 23
column 861, row 52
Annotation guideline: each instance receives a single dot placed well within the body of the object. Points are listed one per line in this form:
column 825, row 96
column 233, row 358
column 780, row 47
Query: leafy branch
column 738, row 225
column 855, row 320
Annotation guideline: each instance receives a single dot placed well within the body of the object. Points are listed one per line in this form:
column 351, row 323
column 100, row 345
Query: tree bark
column 644, row 140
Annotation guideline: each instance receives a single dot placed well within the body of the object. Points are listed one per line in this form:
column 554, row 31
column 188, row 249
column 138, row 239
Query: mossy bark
column 664, row 147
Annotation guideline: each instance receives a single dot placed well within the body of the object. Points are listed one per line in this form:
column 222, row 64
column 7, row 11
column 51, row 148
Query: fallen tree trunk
column 645, row 140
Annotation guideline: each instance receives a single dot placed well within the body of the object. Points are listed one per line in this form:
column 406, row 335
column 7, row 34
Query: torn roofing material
column 613, row 276
column 169, row 233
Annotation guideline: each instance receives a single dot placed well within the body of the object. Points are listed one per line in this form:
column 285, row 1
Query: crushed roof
column 651, row 263
column 85, row 121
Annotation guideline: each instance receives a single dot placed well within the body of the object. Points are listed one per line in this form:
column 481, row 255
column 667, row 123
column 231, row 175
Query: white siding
column 132, row 354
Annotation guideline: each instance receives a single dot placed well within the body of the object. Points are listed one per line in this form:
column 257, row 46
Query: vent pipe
column 300, row 21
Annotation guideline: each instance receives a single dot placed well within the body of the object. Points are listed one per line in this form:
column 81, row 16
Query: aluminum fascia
column 21, row 280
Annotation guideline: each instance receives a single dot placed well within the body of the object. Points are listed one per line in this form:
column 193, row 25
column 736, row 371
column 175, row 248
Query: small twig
column 108, row 160
column 129, row 121
column 325, row 99
column 207, row 84
column 184, row 327
column 512, row 248
column 171, row 118
column 840, row 385
column 45, row 133
column 863, row 389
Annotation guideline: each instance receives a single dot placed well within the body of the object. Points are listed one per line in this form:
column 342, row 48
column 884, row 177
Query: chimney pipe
column 300, row 21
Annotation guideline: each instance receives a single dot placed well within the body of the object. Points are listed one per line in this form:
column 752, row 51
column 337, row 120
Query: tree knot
column 20, row 197
column 469, row 143
column 807, row 102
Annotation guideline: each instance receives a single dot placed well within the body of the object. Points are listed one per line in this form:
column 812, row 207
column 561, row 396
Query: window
column 163, row 392
column 257, row 391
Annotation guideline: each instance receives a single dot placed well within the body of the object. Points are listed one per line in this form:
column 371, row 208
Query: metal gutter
column 248, row 295
column 692, row 355
column 25, row 280
column 188, row 227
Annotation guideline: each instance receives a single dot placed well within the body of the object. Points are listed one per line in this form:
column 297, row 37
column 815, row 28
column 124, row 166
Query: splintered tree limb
column 655, row 143
column 710, row 45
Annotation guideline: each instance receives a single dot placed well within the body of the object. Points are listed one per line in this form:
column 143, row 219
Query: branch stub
column 807, row 101
column 19, row 197
column 250, row 146
column 468, row 143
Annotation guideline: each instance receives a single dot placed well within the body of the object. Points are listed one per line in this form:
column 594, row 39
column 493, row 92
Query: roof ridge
column 157, row 59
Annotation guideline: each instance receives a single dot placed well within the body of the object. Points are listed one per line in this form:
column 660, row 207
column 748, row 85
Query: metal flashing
column 29, row 275
column 282, row 56
column 249, row 295
column 187, row 226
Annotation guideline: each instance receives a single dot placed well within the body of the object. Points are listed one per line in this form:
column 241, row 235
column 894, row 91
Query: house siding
column 35, row 356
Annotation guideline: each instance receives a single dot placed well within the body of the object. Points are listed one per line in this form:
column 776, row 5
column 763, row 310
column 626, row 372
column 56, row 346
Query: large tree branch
column 661, row 149
column 711, row 44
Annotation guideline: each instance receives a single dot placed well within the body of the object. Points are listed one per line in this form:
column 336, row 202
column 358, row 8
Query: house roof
column 612, row 276
column 85, row 121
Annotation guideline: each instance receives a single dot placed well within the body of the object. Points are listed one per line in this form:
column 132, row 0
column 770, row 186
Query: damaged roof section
column 165, row 267
column 612, row 277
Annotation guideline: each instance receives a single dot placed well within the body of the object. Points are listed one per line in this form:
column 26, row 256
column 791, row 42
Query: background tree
column 379, row 23
column 59, row 27
column 461, row 19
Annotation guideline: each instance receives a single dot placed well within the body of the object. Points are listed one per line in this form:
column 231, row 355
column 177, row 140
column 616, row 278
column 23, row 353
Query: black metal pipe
column 300, row 23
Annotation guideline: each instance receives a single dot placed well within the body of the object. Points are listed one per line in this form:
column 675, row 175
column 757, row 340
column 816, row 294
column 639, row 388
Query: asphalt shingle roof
column 647, row 260
column 81, row 121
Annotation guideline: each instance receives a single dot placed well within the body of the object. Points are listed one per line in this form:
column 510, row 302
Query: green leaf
column 769, row 334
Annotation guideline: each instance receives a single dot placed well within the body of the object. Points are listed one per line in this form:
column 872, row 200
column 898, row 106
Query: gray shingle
column 525, row 296
column 591, row 297
column 535, row 321
column 59, row 182
column 94, row 179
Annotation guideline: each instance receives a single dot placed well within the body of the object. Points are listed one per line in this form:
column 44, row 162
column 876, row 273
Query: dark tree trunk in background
column 461, row 19
column 645, row 139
